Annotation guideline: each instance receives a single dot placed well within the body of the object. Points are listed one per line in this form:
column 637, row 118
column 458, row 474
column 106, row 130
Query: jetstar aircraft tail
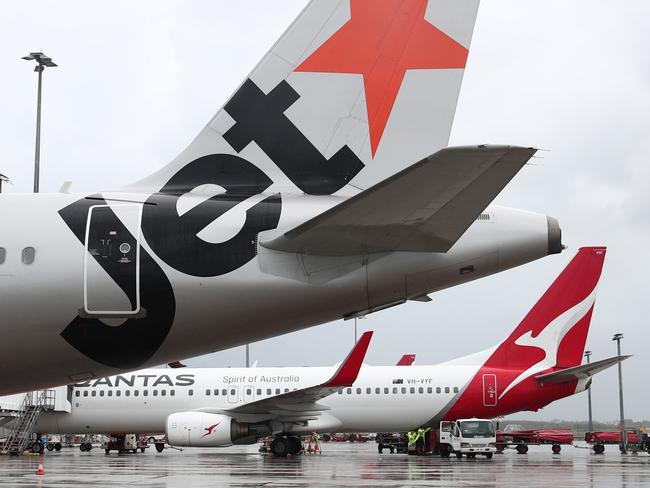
column 540, row 361
column 353, row 92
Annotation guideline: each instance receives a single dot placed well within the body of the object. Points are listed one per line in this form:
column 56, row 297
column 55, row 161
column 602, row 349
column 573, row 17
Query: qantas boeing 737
column 537, row 364
column 323, row 189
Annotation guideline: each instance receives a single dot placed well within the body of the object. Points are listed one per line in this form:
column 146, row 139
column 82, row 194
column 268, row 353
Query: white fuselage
column 383, row 398
column 52, row 303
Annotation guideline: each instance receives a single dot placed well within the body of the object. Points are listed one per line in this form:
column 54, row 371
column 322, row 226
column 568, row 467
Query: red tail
column 551, row 336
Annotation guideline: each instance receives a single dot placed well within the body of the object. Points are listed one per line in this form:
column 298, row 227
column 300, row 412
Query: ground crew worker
column 419, row 446
column 412, row 439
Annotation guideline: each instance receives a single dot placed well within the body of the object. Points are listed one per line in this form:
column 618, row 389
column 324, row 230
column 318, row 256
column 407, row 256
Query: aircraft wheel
column 50, row 447
column 522, row 448
column 57, row 447
column 459, row 455
column 599, row 449
column 295, row 445
column 160, row 446
column 280, row 447
column 556, row 448
column 107, row 451
column 471, row 455
column 488, row 455
column 380, row 449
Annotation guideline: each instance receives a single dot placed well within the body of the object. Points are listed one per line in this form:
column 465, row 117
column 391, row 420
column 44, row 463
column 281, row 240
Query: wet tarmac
column 340, row 464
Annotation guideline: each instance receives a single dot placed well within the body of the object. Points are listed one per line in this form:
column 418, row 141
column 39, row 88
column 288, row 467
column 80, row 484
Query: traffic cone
column 40, row 470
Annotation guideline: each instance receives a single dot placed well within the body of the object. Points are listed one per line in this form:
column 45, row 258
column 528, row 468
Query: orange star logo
column 381, row 41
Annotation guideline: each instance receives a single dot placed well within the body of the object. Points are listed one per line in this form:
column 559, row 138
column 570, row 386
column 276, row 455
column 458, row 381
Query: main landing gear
column 282, row 446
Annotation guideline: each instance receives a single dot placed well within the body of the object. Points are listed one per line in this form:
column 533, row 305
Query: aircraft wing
column 302, row 404
column 579, row 372
column 425, row 207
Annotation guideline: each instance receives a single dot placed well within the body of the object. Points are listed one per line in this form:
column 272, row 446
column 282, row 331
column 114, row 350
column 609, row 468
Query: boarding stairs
column 32, row 406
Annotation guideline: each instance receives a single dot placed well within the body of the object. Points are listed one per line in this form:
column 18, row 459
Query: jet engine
column 199, row 429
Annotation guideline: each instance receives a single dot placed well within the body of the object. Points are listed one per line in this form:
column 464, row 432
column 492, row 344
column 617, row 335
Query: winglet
column 406, row 360
column 347, row 373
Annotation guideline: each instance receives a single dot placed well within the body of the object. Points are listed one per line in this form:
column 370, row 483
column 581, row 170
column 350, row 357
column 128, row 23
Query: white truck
column 467, row 436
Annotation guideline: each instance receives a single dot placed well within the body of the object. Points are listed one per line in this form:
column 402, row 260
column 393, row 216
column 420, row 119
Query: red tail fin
column 552, row 335
column 555, row 330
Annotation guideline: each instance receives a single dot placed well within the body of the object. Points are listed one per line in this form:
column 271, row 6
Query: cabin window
column 127, row 393
column 286, row 390
column 446, row 389
column 163, row 392
column 412, row 390
column 86, row 393
column 216, row 392
column 259, row 391
column 368, row 391
column 395, row 390
column 3, row 254
column 94, row 393
column 358, row 391
column 101, row 393
column 403, row 391
column 118, row 393
column 377, row 391
column 207, row 392
column 340, row 392
column 110, row 393
column 249, row 391
column 77, row 393
column 145, row 392
column 172, row 392
column 348, row 391
column 277, row 391
column 135, row 392
column 420, row 390
column 269, row 391
column 224, row 392
column 28, row 255
column 429, row 390
column 455, row 389
column 438, row 390
column 190, row 392
column 233, row 392
column 386, row 391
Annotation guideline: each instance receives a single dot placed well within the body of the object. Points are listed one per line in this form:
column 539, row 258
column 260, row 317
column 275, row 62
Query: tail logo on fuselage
column 550, row 338
column 381, row 42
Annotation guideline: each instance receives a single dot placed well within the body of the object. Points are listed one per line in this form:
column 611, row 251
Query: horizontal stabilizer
column 581, row 372
column 425, row 207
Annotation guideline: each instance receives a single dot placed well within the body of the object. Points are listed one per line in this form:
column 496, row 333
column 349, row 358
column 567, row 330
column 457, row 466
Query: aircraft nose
column 555, row 245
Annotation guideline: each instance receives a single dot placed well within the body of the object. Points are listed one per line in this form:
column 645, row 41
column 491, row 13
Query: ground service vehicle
column 467, row 436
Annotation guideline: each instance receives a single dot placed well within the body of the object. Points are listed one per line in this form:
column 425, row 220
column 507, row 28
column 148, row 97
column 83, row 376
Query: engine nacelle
column 198, row 429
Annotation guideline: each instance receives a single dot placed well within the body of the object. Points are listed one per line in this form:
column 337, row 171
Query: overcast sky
column 138, row 80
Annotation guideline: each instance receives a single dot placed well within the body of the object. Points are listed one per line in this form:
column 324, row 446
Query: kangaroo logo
column 550, row 338
column 210, row 429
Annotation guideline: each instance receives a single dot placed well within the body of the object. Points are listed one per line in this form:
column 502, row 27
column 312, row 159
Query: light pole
column 42, row 61
column 617, row 338
column 591, row 421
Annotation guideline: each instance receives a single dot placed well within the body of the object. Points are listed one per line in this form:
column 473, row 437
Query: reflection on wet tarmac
column 341, row 464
